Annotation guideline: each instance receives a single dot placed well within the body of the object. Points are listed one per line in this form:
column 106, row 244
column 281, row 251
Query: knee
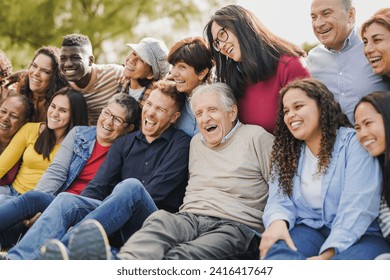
column 128, row 187
column 159, row 216
column 65, row 199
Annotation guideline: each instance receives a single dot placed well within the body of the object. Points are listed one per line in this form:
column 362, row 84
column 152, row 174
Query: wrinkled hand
column 29, row 222
column 278, row 230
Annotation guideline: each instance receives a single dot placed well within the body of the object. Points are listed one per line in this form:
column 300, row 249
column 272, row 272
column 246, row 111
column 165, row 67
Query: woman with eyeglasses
column 79, row 157
column 253, row 61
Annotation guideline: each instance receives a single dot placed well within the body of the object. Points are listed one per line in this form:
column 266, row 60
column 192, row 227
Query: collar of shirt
column 228, row 136
column 167, row 134
column 353, row 35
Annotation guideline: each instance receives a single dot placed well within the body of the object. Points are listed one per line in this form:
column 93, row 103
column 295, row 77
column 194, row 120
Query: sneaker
column 54, row 250
column 89, row 242
column 3, row 256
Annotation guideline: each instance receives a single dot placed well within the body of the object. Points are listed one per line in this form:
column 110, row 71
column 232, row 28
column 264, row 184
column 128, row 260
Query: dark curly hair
column 287, row 149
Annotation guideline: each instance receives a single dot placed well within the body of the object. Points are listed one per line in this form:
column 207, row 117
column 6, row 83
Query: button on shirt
column 346, row 73
column 161, row 166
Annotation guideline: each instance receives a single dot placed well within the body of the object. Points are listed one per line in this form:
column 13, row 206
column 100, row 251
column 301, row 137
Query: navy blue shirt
column 161, row 166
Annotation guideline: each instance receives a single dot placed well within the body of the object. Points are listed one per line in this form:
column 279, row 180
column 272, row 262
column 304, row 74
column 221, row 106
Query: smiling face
column 229, row 48
column 106, row 131
column 185, row 77
column 331, row 23
column 136, row 68
column 12, row 117
column 370, row 129
column 214, row 121
column 302, row 117
column 158, row 114
column 76, row 62
column 376, row 41
column 59, row 114
column 40, row 73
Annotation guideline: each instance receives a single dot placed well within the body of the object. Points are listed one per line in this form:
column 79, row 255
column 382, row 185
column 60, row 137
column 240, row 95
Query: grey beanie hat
column 154, row 52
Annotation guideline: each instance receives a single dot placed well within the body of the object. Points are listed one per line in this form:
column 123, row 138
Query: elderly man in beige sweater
column 221, row 215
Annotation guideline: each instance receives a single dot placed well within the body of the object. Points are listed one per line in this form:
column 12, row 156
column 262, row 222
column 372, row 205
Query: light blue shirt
column 346, row 73
column 350, row 196
column 187, row 121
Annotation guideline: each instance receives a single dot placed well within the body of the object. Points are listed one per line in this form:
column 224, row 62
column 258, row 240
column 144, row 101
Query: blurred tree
column 308, row 46
column 29, row 24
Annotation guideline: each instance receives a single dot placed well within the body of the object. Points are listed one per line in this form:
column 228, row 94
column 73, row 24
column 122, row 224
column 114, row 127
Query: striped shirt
column 346, row 73
column 384, row 219
column 103, row 85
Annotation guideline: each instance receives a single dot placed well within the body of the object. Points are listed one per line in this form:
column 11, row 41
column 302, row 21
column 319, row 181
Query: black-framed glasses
column 222, row 36
column 106, row 114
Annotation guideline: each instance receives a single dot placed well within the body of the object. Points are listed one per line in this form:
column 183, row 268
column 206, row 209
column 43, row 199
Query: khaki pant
column 187, row 236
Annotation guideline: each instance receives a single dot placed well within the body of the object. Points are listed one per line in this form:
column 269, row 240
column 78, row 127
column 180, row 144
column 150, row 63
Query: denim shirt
column 187, row 121
column 350, row 196
column 69, row 161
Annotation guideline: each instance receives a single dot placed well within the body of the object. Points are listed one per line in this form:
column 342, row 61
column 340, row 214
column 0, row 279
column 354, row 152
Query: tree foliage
column 27, row 25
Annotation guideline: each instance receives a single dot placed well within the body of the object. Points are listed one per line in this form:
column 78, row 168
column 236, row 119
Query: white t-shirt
column 311, row 182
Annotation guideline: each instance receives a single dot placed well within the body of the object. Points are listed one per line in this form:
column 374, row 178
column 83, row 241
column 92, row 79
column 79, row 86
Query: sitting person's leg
column 125, row 209
column 161, row 231
column 23, row 207
column 216, row 240
column 307, row 240
column 368, row 247
column 65, row 211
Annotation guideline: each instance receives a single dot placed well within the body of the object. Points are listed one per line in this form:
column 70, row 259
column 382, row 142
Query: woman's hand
column 278, row 230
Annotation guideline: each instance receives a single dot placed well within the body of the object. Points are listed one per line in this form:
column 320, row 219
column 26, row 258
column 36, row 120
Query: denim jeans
column 17, row 209
column 23, row 207
column 125, row 208
column 309, row 241
column 7, row 193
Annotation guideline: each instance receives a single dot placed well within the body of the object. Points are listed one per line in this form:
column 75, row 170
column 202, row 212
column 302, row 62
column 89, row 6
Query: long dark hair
column 78, row 116
column 380, row 100
column 287, row 149
column 57, row 81
column 260, row 49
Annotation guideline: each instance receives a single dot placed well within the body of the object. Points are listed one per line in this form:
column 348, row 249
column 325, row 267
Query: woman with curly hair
column 325, row 188
column 41, row 80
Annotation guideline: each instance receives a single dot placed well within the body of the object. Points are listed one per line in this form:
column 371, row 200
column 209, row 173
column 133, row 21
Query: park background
column 27, row 25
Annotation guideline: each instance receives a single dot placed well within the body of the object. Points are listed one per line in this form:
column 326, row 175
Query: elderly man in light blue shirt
column 339, row 61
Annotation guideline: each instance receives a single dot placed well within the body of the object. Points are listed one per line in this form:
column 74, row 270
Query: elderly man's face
column 214, row 121
column 331, row 23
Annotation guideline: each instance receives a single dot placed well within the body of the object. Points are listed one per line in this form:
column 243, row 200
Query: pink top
column 259, row 105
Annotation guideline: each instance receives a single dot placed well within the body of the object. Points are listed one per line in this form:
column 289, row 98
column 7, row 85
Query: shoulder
column 181, row 137
column 346, row 137
column 254, row 132
column 292, row 62
column 115, row 69
column 32, row 126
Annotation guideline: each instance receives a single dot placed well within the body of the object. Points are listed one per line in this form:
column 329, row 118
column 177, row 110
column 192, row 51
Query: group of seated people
column 167, row 157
